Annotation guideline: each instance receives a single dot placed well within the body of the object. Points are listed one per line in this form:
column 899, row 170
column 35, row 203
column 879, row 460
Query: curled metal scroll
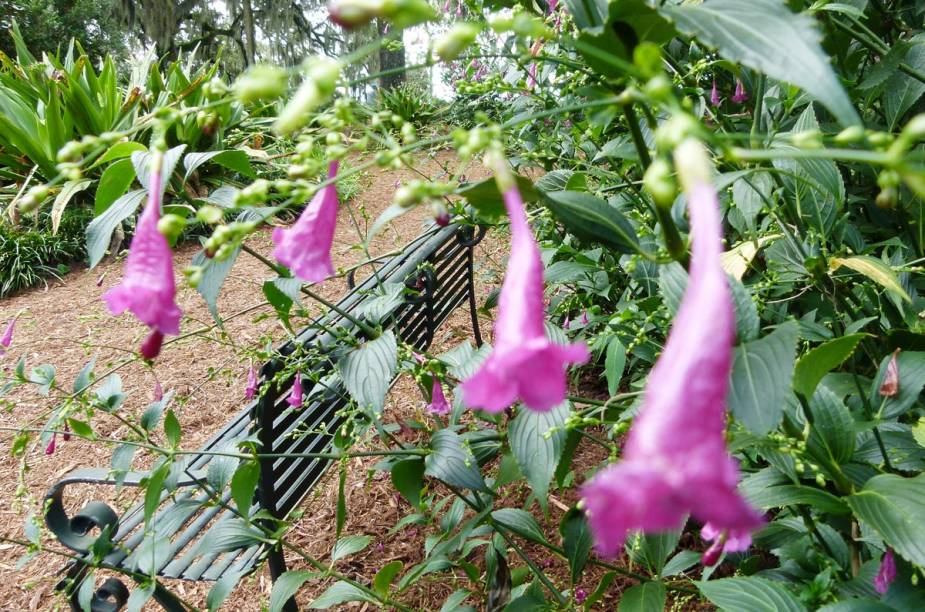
column 468, row 237
column 422, row 283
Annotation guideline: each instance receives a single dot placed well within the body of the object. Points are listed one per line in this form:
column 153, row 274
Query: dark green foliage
column 29, row 256
column 47, row 25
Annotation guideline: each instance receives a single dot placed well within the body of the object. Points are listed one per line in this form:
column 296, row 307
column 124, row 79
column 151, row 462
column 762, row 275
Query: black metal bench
column 437, row 267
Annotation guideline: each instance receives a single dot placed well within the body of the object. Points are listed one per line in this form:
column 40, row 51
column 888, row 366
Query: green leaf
column 832, row 434
column 652, row 549
column 243, row 484
column 874, row 269
column 576, row 541
column 485, row 197
column 172, row 429
column 80, row 428
column 84, row 377
column 593, row 219
column 44, row 377
column 902, row 91
column 761, row 375
column 222, row 589
column 142, row 161
column 233, row 159
column 99, row 231
column 815, row 364
column 110, row 396
column 384, row 577
column 368, row 370
column 113, row 183
column 139, row 597
column 911, row 368
column 338, row 593
column 286, row 586
column 232, row 534
column 750, row 593
column 153, row 490
column 766, row 36
column 349, row 545
column 213, row 276
column 452, row 462
column 684, row 560
column 408, row 479
column 454, row 601
column 537, row 440
column 120, row 150
column 646, row 597
column 564, row 272
column 894, row 507
column 520, row 522
column 280, row 302
column 614, row 363
column 70, row 189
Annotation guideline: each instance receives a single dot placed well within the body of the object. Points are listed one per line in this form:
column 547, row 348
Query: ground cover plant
column 702, row 386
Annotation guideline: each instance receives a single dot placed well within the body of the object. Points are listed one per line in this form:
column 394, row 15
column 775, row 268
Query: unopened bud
column 849, row 135
column 354, row 13
column 407, row 13
column 659, row 183
column 441, row 214
column 692, row 161
column 170, row 225
column 890, row 385
column 260, row 83
column 70, row 152
column 193, row 275
column 315, row 90
column 33, row 198
column 807, row 139
column 210, row 214
column 457, row 40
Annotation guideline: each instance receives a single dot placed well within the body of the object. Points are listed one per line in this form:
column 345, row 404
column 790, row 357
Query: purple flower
column 306, row 246
column 675, row 460
column 158, row 391
column 531, row 76
column 722, row 541
column 251, row 389
column 551, row 6
column 584, row 318
column 567, row 324
column 714, row 95
column 740, row 95
column 148, row 288
column 67, row 432
column 438, row 403
column 580, row 596
column 887, row 572
column 295, row 396
column 524, row 364
column 7, row 339
column 52, row 444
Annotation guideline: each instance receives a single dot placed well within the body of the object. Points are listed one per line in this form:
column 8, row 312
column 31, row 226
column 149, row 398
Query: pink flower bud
column 251, row 389
column 740, row 95
column 7, row 339
column 714, row 95
column 887, row 572
column 890, row 385
column 295, row 396
column 151, row 347
column 67, row 432
column 50, row 449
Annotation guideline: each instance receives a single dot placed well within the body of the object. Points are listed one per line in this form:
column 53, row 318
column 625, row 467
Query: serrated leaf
column 766, row 36
column 761, row 378
column 452, row 462
column 750, row 593
column 537, row 440
column 894, row 507
column 368, row 370
column 832, row 434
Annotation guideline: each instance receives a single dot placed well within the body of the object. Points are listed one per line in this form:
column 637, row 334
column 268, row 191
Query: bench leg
column 473, row 307
column 277, row 562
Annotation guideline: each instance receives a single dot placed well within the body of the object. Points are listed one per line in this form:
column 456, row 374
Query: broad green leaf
column 99, row 231
column 80, row 428
column 112, row 184
column 520, row 522
column 832, row 433
column 911, row 368
column 338, row 593
column 874, row 269
column 814, row 365
column 232, row 159
column 454, row 601
column 243, row 484
column 70, row 189
column 231, row 534
column 139, row 597
column 614, row 363
column 553, row 181
column 172, row 429
column 761, row 375
column 384, row 577
column 653, row 549
column 44, row 377
column 288, row 585
column 154, row 490
column 213, row 276
column 766, row 36
column 485, row 197
column 368, row 370
column 222, row 589
column 85, row 377
column 349, row 545
column 646, row 597
column 280, row 302
column 142, row 161
column 221, row 468
column 452, row 462
column 748, row 325
column 576, row 541
column 120, row 150
column 750, row 593
column 537, row 439
column 593, row 219
column 563, row 272
column 894, row 507
column 902, row 91
column 408, row 479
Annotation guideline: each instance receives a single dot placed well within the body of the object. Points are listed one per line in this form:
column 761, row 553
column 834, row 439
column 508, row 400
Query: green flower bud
column 648, row 58
column 408, row 133
column 70, row 152
column 849, row 135
column 674, row 131
column 260, row 83
column 457, row 40
column 500, row 23
column 170, row 225
column 210, row 214
column 332, row 138
column 298, row 171
column 405, row 197
column 660, row 184
column 659, row 87
column 807, row 139
column 317, row 88
column 407, row 13
column 193, row 275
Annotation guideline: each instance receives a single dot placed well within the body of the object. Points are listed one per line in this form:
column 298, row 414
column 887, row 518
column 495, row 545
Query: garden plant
column 700, row 380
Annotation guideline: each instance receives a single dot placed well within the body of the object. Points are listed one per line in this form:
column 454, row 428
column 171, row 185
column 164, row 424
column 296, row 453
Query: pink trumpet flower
column 887, row 572
column 148, row 288
column 525, row 363
column 306, row 246
column 158, row 393
column 740, row 95
column 7, row 339
column 295, row 396
column 714, row 95
column 438, row 403
column 251, row 389
column 52, row 444
column 675, row 460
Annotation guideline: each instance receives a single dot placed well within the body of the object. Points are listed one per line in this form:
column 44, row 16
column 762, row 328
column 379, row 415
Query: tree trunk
column 249, row 39
column 389, row 60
